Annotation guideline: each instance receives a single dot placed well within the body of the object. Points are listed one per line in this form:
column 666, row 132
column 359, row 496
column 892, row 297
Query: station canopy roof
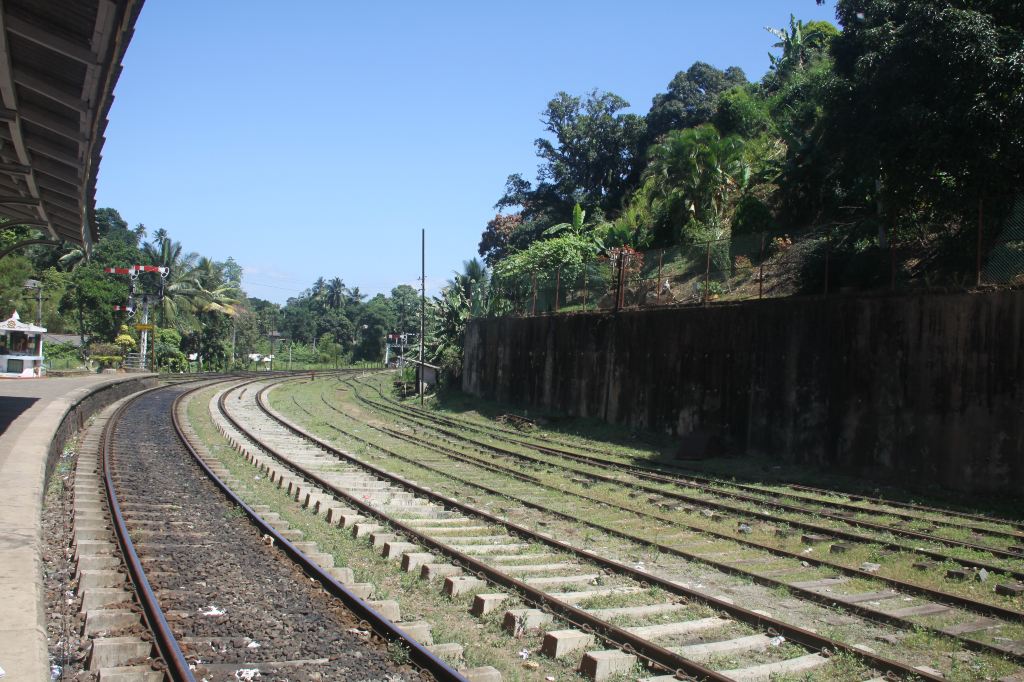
column 59, row 61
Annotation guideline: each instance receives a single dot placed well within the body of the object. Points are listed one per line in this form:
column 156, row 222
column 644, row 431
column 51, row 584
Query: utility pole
column 38, row 286
column 423, row 304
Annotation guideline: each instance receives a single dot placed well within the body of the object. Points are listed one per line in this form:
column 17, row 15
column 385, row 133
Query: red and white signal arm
column 133, row 269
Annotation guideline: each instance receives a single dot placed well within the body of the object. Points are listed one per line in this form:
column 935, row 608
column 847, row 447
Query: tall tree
column 691, row 98
column 335, row 294
column 928, row 102
column 589, row 158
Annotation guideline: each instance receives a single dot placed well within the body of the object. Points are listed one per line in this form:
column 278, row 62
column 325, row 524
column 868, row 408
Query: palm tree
column 335, row 293
column 470, row 285
column 316, row 292
column 693, row 173
column 215, row 294
column 181, row 286
column 354, row 298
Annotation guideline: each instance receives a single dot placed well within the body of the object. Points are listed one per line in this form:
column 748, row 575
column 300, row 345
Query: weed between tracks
column 896, row 564
column 484, row 640
column 600, row 512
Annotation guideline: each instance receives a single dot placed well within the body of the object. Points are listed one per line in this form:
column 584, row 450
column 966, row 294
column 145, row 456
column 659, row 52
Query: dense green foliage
column 900, row 126
column 204, row 313
column 908, row 116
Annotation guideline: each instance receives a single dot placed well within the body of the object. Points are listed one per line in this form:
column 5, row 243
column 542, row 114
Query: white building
column 21, row 348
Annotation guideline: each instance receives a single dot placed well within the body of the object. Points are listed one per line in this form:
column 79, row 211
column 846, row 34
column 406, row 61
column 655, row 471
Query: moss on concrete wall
column 925, row 386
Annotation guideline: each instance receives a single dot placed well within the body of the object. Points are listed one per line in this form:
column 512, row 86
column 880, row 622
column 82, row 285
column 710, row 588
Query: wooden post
column 760, row 276
column 584, row 289
column 828, row 253
column 661, row 258
column 618, row 281
column 558, row 285
column 981, row 224
column 707, row 277
column 892, row 266
column 533, row 311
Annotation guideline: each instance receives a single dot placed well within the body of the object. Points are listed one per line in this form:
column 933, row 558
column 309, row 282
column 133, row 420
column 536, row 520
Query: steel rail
column 516, row 437
column 654, row 653
column 710, row 486
column 804, row 593
column 810, row 640
column 835, row 532
column 163, row 638
column 381, row 626
column 1016, row 523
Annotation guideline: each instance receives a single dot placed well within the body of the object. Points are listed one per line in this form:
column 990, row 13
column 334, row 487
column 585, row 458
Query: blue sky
column 318, row 138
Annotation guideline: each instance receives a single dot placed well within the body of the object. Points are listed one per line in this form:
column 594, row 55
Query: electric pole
column 423, row 304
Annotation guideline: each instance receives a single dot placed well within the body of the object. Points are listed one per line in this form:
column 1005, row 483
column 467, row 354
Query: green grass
column 484, row 640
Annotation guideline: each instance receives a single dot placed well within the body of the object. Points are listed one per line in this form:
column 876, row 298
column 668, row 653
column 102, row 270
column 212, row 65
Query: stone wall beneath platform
column 80, row 411
column 926, row 388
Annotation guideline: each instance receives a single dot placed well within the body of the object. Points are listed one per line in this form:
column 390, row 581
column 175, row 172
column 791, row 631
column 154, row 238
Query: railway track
column 866, row 602
column 1012, row 530
column 225, row 593
column 962, row 629
column 1008, row 561
column 1009, row 568
column 855, row 604
column 581, row 577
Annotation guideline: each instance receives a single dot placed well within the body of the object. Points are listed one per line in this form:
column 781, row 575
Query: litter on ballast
column 212, row 611
column 524, row 654
column 247, row 674
column 777, row 641
column 253, row 645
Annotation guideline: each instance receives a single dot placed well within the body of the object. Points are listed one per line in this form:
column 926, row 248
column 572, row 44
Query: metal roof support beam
column 15, row 168
column 10, row 101
column 53, row 151
column 50, row 41
column 52, row 123
column 50, row 91
column 58, row 200
column 18, row 200
column 62, row 170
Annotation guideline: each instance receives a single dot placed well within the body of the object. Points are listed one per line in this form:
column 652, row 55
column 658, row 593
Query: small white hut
column 21, row 348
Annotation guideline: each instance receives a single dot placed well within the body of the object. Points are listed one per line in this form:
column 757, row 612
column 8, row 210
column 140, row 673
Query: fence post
column 584, row 289
column 707, row 276
column 618, row 281
column 828, row 253
column 533, row 310
column 981, row 224
column 558, row 285
column 760, row 276
column 892, row 265
column 661, row 258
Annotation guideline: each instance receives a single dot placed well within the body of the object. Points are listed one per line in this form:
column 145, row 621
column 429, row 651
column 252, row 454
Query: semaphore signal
column 133, row 271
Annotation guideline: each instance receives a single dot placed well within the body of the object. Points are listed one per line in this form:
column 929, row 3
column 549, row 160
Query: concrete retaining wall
column 926, row 388
column 81, row 409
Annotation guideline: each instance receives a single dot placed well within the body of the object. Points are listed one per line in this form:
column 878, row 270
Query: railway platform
column 37, row 417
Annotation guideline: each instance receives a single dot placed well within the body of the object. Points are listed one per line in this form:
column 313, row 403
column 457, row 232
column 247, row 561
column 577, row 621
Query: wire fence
column 828, row 261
